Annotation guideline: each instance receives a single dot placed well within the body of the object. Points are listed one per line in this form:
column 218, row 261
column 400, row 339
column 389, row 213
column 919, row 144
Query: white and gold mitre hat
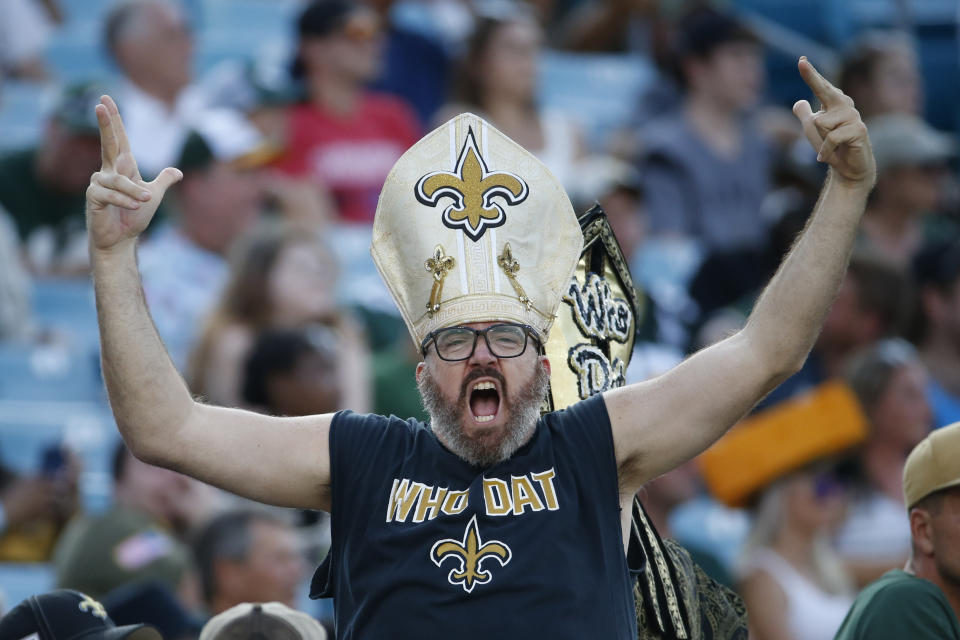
column 471, row 227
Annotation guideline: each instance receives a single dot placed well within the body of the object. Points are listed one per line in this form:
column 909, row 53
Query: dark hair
column 870, row 371
column 226, row 536
column 469, row 84
column 276, row 351
column 862, row 57
column 884, row 288
column 700, row 32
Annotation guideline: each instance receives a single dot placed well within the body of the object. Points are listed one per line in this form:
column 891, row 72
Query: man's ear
column 420, row 367
column 921, row 530
column 545, row 361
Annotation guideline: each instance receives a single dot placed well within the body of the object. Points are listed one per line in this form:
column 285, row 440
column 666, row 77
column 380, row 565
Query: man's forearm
column 787, row 318
column 149, row 398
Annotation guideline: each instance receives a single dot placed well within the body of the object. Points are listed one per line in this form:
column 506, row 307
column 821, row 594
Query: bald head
column 151, row 43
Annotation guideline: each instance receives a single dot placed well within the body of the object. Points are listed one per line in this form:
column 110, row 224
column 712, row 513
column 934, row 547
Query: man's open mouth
column 484, row 401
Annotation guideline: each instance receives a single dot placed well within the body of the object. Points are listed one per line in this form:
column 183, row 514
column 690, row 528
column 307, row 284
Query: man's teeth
column 483, row 418
column 483, row 386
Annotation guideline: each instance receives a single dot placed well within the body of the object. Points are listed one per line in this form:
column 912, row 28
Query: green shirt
column 96, row 555
column 900, row 606
column 33, row 205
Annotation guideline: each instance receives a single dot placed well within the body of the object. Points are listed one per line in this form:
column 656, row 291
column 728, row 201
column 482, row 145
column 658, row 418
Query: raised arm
column 659, row 424
column 280, row 461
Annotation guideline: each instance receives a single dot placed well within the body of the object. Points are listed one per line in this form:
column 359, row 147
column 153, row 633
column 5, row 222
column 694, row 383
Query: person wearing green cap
column 42, row 187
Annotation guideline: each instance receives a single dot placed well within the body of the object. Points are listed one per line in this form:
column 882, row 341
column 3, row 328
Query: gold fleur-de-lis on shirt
column 470, row 554
column 472, row 188
column 438, row 265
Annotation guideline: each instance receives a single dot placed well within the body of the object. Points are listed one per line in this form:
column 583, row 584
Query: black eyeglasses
column 504, row 340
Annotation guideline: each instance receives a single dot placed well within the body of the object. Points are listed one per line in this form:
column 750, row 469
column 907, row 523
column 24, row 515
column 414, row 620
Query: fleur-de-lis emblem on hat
column 470, row 553
column 472, row 187
column 94, row 608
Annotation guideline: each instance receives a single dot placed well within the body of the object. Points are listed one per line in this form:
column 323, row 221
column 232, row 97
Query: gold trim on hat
column 439, row 266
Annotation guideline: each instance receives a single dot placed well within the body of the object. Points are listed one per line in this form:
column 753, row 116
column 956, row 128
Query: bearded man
column 489, row 522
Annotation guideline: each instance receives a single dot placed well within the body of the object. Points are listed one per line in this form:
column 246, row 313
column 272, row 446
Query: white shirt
column 182, row 283
column 876, row 528
column 156, row 131
column 812, row 613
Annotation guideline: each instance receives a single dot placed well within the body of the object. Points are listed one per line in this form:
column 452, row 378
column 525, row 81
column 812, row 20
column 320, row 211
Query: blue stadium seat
column 66, row 305
column 599, row 91
column 21, row 113
column 56, row 371
column 87, row 428
column 20, row 581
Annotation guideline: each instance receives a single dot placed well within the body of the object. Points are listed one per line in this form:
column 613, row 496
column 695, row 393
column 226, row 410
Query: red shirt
column 351, row 155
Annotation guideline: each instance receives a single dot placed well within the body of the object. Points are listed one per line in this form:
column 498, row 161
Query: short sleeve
column 915, row 612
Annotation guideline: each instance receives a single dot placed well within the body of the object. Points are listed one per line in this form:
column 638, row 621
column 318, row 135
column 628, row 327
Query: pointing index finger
column 108, row 140
column 828, row 94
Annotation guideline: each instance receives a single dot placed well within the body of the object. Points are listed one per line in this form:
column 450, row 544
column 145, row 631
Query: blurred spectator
column 259, row 89
column 617, row 186
column 889, row 381
column 874, row 302
column 280, row 277
column 784, row 463
column 14, row 284
column 256, row 621
column 248, row 556
column 25, row 29
column 794, row 585
column 66, row 615
column 911, row 176
column 154, row 603
column 922, row 601
column 35, row 508
column 344, row 137
column 706, row 167
column 293, row 373
column 881, row 72
column 135, row 539
column 497, row 79
column 151, row 43
column 44, row 187
column 182, row 264
column 414, row 67
column 937, row 271
column 614, row 26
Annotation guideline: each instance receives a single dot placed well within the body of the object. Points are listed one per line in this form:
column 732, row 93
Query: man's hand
column 120, row 204
column 836, row 132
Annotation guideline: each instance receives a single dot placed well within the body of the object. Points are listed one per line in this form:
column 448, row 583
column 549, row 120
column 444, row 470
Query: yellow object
column 785, row 438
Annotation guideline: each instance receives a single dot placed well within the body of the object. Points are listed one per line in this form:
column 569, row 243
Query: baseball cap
column 901, row 140
column 64, row 615
column 74, row 107
column 932, row 465
column 252, row 621
column 224, row 135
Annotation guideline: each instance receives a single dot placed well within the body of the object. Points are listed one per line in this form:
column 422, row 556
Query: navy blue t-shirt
column 427, row 546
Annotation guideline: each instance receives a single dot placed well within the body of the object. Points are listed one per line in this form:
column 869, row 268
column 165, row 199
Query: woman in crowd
column 498, row 81
column 889, row 380
column 281, row 276
column 792, row 581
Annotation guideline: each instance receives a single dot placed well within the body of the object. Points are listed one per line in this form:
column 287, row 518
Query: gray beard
column 523, row 411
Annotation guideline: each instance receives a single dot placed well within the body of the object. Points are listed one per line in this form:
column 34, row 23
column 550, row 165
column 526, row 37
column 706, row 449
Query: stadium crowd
column 258, row 276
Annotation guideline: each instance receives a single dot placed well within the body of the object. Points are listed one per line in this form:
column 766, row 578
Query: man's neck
column 925, row 568
column 715, row 124
column 335, row 94
column 158, row 91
